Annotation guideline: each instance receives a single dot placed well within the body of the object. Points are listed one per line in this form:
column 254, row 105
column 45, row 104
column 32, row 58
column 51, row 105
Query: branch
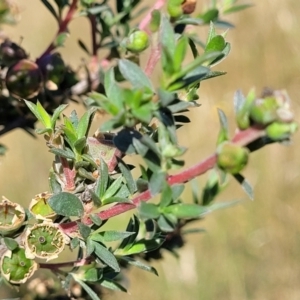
column 242, row 138
column 93, row 24
column 62, row 26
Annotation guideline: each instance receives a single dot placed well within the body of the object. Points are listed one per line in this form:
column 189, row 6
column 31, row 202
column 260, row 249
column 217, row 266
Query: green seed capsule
column 264, row 111
column 280, row 131
column 137, row 42
column 231, row 157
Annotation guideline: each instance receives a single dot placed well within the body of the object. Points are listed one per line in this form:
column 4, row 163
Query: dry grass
column 250, row 251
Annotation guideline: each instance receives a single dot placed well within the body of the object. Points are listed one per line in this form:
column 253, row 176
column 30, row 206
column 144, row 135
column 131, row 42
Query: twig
column 242, row 138
column 146, row 20
column 156, row 49
column 93, row 23
column 62, row 26
column 153, row 59
column 69, row 174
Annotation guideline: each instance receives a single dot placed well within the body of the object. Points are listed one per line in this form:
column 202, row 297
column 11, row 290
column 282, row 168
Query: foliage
column 90, row 182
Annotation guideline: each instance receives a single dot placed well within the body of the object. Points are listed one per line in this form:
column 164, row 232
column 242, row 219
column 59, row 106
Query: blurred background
column 250, row 251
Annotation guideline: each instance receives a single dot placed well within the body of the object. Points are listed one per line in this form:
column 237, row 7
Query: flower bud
column 45, row 240
column 24, row 79
column 280, row 131
column 264, row 111
column 16, row 268
column 40, row 208
column 174, row 8
column 12, row 217
column 137, row 41
column 232, row 158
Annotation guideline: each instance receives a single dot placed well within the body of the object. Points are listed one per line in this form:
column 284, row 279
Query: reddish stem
column 242, row 138
column 146, row 20
column 69, row 174
column 153, row 59
column 62, row 26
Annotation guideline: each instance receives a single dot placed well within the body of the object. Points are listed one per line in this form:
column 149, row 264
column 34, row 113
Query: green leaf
column 166, row 196
column 211, row 33
column 224, row 130
column 222, row 205
column 90, row 247
column 210, row 16
column 139, row 264
column 3, row 149
column 177, row 190
column 102, row 180
column 211, row 188
column 112, row 285
column 111, row 236
column 143, row 113
column 157, row 182
column 55, row 187
column 217, row 43
column 96, row 219
column 84, row 230
column 112, row 190
column 74, row 243
column 107, row 257
column 135, row 75
column 50, row 8
column 60, row 39
column 113, row 91
column 167, row 36
column 180, row 52
column 84, row 124
column 131, row 184
column 89, row 291
column 70, row 131
column 148, row 211
column 141, row 246
column 10, row 243
column 67, row 153
column 84, row 47
column 236, row 8
column 183, row 210
column 164, row 224
column 56, row 114
column 66, row 204
column 199, row 61
column 246, row 186
column 34, row 110
column 80, row 144
column 44, row 116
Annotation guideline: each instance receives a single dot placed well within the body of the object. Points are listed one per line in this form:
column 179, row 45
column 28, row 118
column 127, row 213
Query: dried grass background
column 250, row 251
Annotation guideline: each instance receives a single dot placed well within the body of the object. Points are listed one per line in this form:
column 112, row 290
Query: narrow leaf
column 57, row 113
column 84, row 124
column 131, row 184
column 45, row 118
column 112, row 285
column 89, row 291
column 134, row 74
column 67, row 153
column 140, row 265
column 102, row 181
column 246, row 186
column 107, row 257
